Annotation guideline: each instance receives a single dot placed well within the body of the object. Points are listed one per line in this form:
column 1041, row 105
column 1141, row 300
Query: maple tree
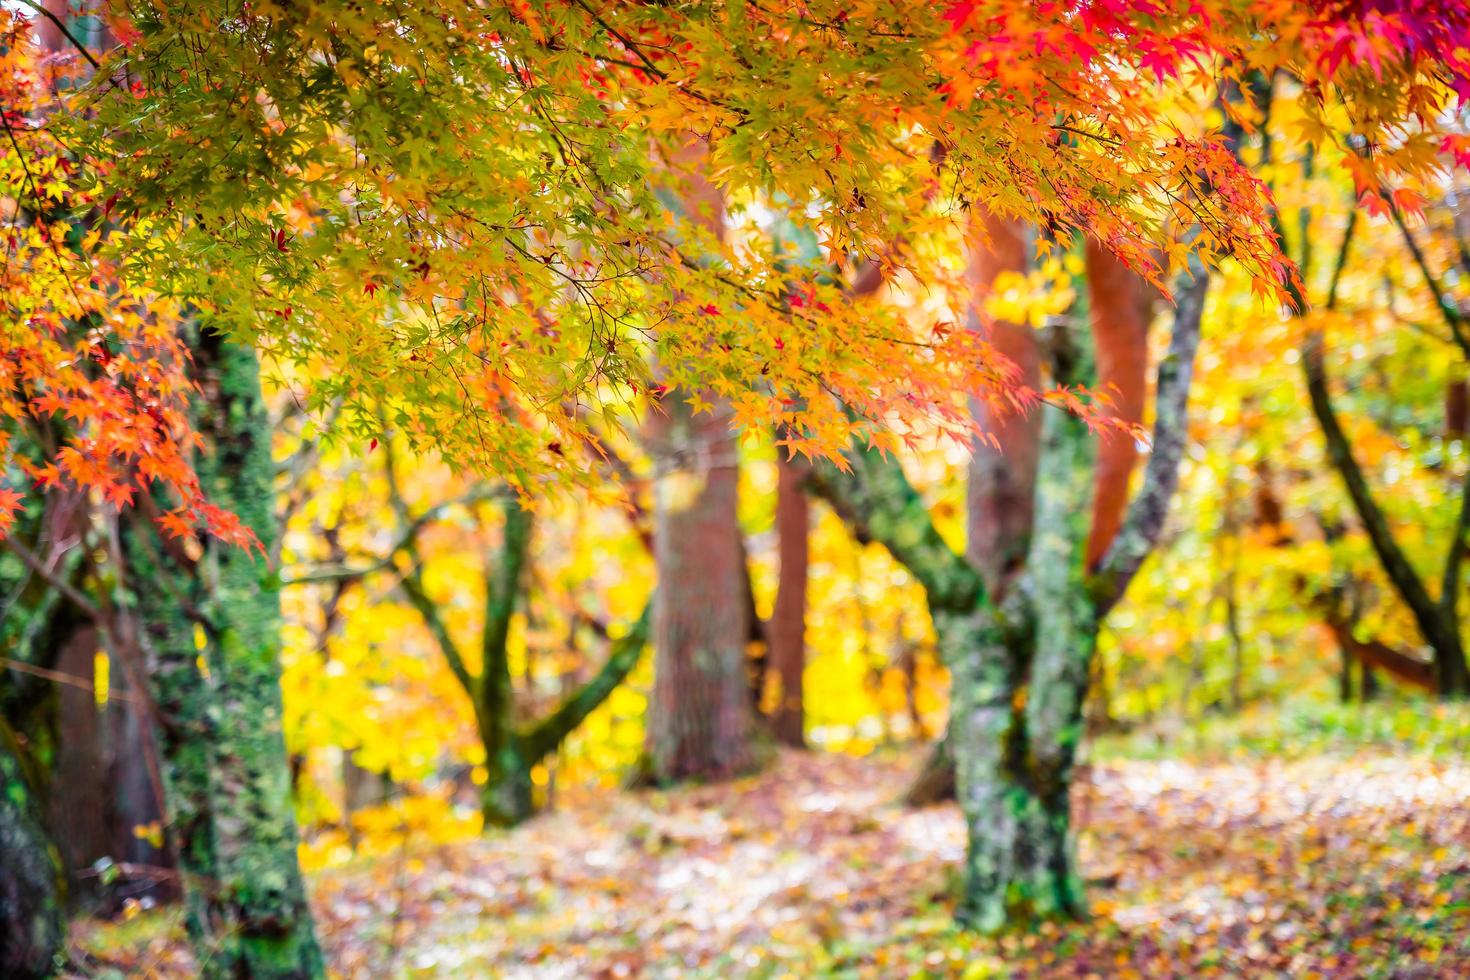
column 381, row 249
column 393, row 231
column 510, row 744
column 466, row 231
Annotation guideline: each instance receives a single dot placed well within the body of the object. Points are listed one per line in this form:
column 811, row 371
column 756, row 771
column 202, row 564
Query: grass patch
column 1438, row 730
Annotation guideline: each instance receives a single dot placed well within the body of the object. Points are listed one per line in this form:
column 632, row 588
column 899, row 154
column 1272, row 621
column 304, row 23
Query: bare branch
column 65, row 32
column 47, row 571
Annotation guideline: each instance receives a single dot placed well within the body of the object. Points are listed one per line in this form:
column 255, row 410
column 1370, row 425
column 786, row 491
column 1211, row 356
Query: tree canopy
column 459, row 212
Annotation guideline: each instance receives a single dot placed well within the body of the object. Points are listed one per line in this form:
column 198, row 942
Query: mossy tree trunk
column 505, row 799
column 32, row 923
column 210, row 618
column 1020, row 683
column 512, row 750
column 1020, row 661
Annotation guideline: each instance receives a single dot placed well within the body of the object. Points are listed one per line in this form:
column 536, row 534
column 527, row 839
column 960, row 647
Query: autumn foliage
column 485, row 279
column 381, row 382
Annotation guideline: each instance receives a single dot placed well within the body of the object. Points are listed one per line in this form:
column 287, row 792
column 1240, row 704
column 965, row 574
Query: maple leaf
column 1409, row 201
column 1457, row 145
column 1372, row 202
column 10, row 504
column 176, row 524
column 958, row 13
column 118, row 494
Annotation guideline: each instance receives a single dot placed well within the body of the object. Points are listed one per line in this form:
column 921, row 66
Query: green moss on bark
column 211, row 628
column 32, row 924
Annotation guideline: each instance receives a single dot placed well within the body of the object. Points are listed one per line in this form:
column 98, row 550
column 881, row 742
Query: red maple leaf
column 10, row 501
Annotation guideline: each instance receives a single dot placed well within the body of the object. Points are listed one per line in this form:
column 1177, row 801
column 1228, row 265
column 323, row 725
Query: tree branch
column 412, row 584
column 1447, row 309
column 877, row 501
column 552, row 730
column 1144, row 521
column 502, row 588
column 412, row 581
column 65, row 32
column 47, row 572
column 1408, row 669
column 406, row 538
column 1339, row 450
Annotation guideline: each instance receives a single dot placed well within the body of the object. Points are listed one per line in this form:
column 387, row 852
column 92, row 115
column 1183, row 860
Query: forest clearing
column 852, row 488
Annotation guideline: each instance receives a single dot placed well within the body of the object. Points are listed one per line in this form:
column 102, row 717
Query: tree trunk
column 506, row 798
column 77, row 801
column 361, row 789
column 211, row 619
column 1019, row 864
column 1367, row 683
column 32, row 926
column 1020, row 666
column 699, row 721
column 934, row 782
column 1000, row 495
column 1018, row 687
column 101, row 785
column 1001, row 490
column 1457, row 409
column 908, row 662
column 1003, row 478
column 1438, row 621
column 511, row 750
column 788, row 620
column 1018, row 694
column 1121, row 304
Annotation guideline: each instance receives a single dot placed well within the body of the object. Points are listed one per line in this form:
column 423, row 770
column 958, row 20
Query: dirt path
column 1320, row 867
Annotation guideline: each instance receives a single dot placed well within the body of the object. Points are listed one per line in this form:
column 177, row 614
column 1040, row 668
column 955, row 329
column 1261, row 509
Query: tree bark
column 211, row 627
column 999, row 498
column 788, row 619
column 32, row 924
column 506, row 798
column 1438, row 621
column 699, row 721
column 1019, row 665
column 1120, row 302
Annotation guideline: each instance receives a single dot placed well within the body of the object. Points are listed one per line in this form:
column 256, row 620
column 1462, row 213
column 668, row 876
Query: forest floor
column 1330, row 864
